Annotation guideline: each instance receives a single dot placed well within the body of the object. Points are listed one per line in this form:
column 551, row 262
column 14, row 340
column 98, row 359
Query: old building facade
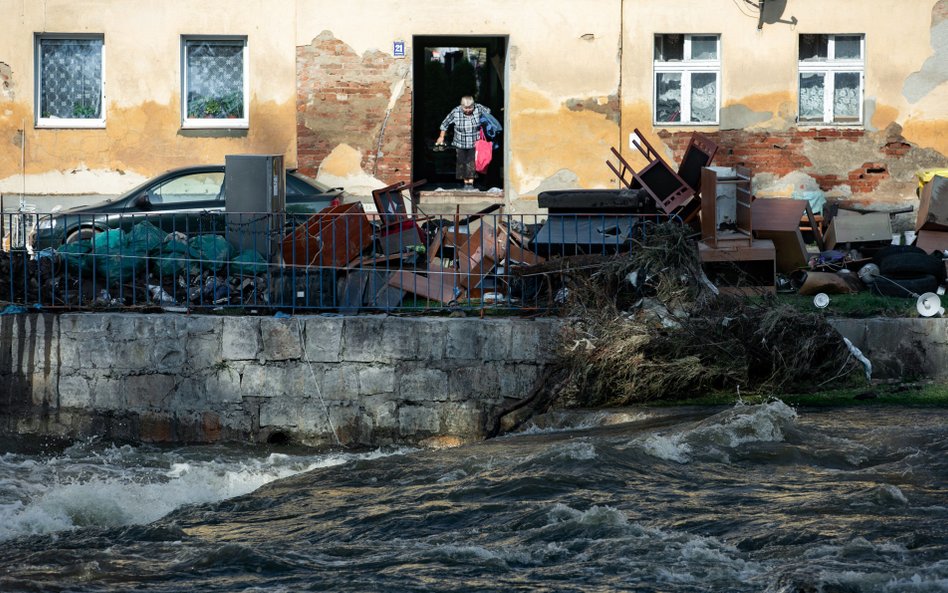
column 849, row 97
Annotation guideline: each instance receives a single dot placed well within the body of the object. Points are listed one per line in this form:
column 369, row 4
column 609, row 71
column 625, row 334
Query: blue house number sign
column 398, row 49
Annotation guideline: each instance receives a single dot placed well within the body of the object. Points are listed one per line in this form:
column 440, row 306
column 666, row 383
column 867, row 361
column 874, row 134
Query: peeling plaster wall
column 562, row 86
column 906, row 94
column 142, row 136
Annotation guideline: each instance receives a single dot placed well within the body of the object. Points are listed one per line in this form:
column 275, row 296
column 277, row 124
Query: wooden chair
column 399, row 227
column 658, row 180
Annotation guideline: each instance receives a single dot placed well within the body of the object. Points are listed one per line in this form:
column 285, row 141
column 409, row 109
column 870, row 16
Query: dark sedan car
column 189, row 200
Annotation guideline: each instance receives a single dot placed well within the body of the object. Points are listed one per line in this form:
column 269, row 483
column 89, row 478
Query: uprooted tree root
column 648, row 326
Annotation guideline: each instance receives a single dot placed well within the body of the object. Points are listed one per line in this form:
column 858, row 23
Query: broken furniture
column 748, row 269
column 584, row 234
column 698, row 155
column 779, row 219
column 670, row 190
column 597, row 201
column 933, row 205
column 399, row 228
column 848, row 228
column 726, row 207
column 330, row 238
column 664, row 185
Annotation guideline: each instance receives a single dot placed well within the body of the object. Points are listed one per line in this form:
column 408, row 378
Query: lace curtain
column 71, row 78
column 215, row 79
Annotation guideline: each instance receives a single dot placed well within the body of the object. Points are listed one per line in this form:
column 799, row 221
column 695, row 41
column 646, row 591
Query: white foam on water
column 117, row 487
column 560, row 422
column 574, row 450
column 859, row 548
column 604, row 516
column 715, row 436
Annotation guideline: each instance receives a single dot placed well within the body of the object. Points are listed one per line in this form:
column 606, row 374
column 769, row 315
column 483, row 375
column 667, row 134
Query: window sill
column 70, row 124
column 674, row 124
column 216, row 124
column 829, row 126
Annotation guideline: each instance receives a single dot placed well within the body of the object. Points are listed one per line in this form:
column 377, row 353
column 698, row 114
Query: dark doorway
column 446, row 69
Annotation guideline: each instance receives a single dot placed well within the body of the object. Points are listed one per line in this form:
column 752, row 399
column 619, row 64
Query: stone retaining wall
column 366, row 380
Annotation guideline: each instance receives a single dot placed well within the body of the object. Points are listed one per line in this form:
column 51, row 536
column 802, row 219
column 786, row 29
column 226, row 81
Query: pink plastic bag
column 483, row 151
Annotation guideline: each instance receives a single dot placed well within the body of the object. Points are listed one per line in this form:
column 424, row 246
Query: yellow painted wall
column 559, row 51
column 596, row 54
column 759, row 66
column 143, row 135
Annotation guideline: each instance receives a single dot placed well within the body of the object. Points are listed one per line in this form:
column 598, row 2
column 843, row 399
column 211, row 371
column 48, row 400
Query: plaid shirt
column 465, row 126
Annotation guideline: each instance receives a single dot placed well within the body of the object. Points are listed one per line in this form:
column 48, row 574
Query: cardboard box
column 933, row 205
column 862, row 228
column 932, row 241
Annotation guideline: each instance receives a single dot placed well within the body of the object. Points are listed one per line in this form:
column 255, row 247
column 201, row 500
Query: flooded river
column 759, row 498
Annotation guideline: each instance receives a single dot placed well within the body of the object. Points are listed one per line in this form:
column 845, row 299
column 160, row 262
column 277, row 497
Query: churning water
column 754, row 498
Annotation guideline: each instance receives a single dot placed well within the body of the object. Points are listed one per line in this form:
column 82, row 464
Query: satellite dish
column 821, row 300
column 929, row 305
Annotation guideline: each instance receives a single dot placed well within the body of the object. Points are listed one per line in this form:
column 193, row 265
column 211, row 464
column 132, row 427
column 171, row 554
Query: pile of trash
column 650, row 326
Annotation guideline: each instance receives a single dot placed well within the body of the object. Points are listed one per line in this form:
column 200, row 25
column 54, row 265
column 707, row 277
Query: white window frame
column 196, row 123
column 829, row 68
column 64, row 122
column 686, row 67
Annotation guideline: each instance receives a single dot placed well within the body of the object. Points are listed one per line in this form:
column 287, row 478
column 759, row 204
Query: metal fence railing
column 340, row 260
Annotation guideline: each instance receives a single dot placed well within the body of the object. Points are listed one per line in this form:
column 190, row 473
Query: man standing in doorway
column 466, row 119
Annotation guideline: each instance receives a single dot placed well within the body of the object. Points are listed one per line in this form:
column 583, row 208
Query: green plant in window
column 81, row 111
column 212, row 108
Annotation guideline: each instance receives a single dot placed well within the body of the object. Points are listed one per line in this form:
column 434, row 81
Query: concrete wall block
column 400, row 339
column 517, row 380
column 190, row 394
column 361, row 339
column 45, row 389
column 149, row 392
column 338, row 381
column 201, row 349
column 432, row 337
column 528, row 342
column 285, row 380
column 382, row 416
column 75, row 392
column 375, row 380
column 80, row 323
column 463, row 418
column 347, row 422
column 281, row 412
column 323, row 339
column 223, row 384
column 108, row 393
column 464, row 341
column 281, row 339
column 417, row 421
column 240, row 338
column 478, row 381
column 497, row 338
column 422, row 384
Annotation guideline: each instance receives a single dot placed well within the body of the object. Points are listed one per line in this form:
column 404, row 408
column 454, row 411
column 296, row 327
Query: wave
column 122, row 486
column 720, row 433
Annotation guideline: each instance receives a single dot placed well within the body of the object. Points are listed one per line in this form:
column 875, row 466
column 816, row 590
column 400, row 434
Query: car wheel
column 83, row 234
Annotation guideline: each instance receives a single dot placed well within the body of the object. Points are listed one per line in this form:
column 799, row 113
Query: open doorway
column 446, row 69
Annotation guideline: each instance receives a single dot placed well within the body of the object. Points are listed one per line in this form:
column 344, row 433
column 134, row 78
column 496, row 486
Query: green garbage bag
column 109, row 240
column 145, row 237
column 248, row 263
column 76, row 255
column 172, row 258
column 213, row 251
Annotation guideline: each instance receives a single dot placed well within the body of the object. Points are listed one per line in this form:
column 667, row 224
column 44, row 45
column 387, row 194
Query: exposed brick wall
column 781, row 153
column 342, row 98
